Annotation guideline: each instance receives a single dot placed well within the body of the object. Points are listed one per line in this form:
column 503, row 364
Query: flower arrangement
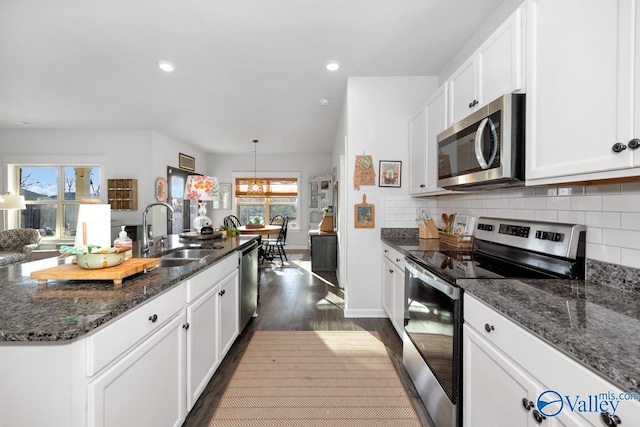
column 256, row 220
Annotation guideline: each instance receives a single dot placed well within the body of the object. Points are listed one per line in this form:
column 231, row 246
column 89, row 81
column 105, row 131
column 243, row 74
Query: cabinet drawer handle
column 397, row 259
column 538, row 416
column 634, row 143
column 153, row 318
column 222, row 292
column 423, row 185
column 618, row 147
column 186, row 326
column 527, row 404
column 608, row 420
column 488, row 327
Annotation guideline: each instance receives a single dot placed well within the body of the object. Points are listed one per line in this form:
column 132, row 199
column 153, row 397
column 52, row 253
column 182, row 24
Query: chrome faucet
column 145, row 233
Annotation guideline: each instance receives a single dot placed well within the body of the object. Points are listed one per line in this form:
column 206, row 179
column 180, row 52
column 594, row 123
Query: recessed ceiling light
column 333, row 65
column 24, row 123
column 324, row 102
column 166, row 66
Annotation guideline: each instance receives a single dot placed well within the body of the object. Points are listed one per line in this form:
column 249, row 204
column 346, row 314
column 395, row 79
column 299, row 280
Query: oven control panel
column 549, row 235
column 514, row 230
column 550, row 238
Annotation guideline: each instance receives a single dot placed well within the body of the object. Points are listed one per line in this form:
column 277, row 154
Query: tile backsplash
column 611, row 213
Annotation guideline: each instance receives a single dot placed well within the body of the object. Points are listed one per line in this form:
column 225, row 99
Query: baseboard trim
column 364, row 313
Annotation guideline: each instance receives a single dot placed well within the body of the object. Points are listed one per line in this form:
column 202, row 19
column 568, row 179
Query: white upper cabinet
column 463, row 97
column 493, row 70
column 582, row 84
column 424, row 128
column 417, row 151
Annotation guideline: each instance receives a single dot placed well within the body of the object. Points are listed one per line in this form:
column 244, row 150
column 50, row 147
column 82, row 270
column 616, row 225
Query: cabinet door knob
column 222, row 292
column 608, row 420
column 153, row 318
column 618, row 147
column 634, row 143
column 186, row 326
column 527, row 404
column 397, row 259
column 538, row 416
column 391, row 271
column 423, row 185
column 488, row 327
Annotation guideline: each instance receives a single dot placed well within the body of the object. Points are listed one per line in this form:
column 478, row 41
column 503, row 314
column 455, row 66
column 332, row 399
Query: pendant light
column 256, row 187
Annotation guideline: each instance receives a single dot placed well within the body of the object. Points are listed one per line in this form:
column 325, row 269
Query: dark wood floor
column 292, row 298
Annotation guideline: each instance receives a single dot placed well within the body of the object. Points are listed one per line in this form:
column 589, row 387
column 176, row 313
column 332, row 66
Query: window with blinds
column 276, row 196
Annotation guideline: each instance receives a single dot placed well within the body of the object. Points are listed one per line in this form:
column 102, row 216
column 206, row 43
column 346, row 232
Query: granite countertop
column 68, row 309
column 596, row 324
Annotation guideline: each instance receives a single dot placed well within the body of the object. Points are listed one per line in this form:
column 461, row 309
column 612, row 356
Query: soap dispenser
column 123, row 241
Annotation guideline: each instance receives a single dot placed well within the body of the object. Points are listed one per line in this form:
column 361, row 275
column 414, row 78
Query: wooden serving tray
column 116, row 273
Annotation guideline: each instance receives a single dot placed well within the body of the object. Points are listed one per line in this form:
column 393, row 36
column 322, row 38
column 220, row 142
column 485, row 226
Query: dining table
column 263, row 231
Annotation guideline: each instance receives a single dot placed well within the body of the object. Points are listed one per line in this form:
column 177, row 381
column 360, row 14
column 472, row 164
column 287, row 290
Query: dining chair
column 231, row 221
column 276, row 220
column 275, row 247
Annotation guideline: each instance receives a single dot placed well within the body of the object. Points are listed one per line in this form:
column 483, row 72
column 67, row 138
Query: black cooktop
column 452, row 264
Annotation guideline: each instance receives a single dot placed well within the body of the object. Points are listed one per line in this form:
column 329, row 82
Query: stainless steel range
column 504, row 248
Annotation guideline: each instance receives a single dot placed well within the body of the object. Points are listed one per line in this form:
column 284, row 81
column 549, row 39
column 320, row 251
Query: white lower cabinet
column 497, row 391
column 229, row 313
column 203, row 318
column 393, row 299
column 146, row 387
column 212, row 323
column 506, row 369
column 180, row 338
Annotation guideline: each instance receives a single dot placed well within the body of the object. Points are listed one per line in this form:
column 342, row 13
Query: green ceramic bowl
column 95, row 261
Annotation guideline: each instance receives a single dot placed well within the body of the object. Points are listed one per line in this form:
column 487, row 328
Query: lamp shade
column 200, row 187
column 94, row 225
column 8, row 201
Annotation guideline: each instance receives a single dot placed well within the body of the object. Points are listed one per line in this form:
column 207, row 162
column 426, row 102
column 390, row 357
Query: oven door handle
column 432, row 280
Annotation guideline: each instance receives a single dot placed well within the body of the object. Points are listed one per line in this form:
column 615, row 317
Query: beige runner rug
column 305, row 378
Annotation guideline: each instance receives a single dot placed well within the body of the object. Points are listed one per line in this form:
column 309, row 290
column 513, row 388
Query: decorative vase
column 326, row 224
column 202, row 219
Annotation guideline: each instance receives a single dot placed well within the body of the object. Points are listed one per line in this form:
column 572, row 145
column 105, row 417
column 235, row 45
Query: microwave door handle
column 481, row 160
column 494, row 135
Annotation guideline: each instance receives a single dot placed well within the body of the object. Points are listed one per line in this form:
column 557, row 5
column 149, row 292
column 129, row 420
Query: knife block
column 429, row 230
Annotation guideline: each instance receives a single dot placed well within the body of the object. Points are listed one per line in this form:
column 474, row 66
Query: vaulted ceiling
column 245, row 69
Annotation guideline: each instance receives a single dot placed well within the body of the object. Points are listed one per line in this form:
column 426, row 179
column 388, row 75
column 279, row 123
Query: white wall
column 139, row 154
column 378, row 109
column 224, row 167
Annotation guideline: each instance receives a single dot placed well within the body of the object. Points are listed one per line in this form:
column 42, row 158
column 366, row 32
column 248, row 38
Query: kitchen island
column 90, row 353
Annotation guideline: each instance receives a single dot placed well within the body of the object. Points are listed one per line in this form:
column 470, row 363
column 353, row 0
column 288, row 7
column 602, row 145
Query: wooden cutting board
column 73, row 272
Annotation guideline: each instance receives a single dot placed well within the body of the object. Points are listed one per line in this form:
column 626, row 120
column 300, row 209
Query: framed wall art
column 390, row 173
column 187, row 162
column 364, row 214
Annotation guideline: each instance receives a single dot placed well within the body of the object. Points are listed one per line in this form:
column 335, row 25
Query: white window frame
column 249, row 175
column 12, row 165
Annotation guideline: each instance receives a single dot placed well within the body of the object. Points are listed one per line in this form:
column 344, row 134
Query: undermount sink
column 176, row 262
column 189, row 253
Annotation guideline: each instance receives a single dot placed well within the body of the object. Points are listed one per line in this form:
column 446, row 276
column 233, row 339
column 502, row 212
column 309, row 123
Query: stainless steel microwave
column 486, row 149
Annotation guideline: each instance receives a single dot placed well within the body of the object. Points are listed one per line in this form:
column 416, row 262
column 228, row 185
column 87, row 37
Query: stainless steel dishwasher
column 248, row 283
